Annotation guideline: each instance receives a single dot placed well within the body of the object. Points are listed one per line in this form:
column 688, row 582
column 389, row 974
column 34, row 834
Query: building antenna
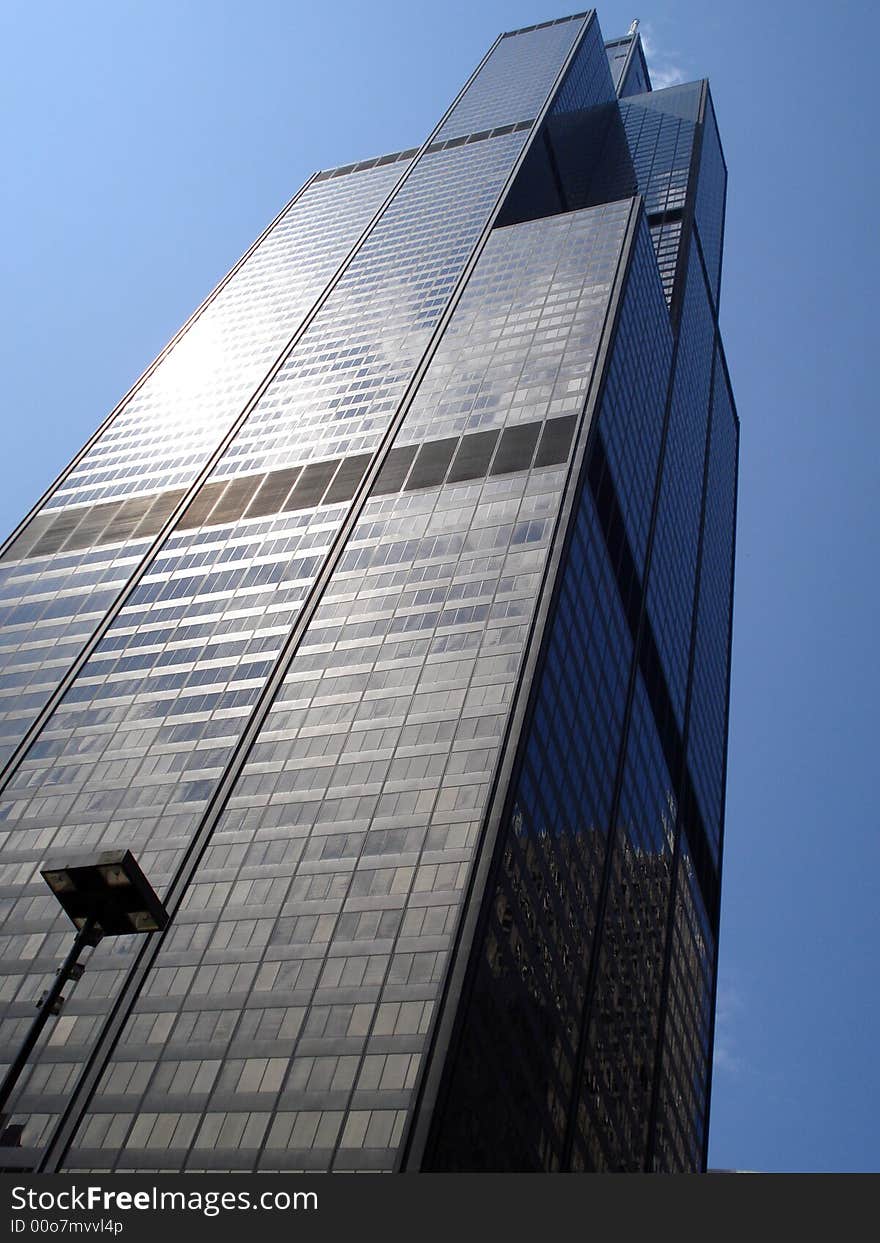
column 633, row 26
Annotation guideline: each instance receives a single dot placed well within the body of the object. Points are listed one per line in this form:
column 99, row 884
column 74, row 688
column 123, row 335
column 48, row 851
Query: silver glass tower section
column 387, row 621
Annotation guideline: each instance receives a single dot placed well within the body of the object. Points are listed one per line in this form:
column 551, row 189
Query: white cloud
column 662, row 65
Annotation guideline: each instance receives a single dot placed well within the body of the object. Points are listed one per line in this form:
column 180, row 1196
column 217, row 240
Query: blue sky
column 146, row 143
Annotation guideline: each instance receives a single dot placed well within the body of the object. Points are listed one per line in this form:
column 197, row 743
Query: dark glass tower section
column 387, row 621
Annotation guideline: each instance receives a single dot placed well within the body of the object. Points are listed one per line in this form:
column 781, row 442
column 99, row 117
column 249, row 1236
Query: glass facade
column 387, row 622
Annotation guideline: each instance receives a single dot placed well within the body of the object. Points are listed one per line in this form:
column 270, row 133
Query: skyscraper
column 387, row 621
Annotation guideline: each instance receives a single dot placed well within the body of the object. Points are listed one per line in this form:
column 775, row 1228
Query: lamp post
column 107, row 895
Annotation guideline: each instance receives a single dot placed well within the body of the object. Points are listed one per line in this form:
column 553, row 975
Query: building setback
column 387, row 621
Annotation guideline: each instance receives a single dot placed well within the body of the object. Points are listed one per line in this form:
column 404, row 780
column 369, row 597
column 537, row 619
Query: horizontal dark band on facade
column 87, row 526
column 377, row 162
column 457, row 459
column 558, row 21
column 671, row 216
column 651, row 666
column 462, row 141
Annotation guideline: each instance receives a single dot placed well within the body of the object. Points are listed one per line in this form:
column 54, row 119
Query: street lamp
column 105, row 896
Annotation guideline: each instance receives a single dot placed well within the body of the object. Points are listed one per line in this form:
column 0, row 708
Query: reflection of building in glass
column 387, row 622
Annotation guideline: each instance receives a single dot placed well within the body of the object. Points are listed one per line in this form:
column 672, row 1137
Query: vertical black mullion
column 678, row 779
column 717, row 922
column 676, row 308
column 687, row 254
column 513, row 743
column 592, row 971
